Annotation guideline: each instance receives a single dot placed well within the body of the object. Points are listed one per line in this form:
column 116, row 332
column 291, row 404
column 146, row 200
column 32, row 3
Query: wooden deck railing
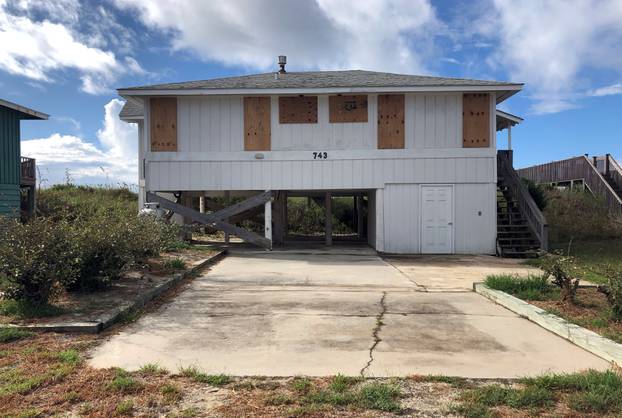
column 29, row 171
column 614, row 171
column 574, row 169
column 526, row 205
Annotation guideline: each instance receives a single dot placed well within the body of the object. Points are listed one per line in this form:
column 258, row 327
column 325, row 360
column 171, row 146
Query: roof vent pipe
column 282, row 62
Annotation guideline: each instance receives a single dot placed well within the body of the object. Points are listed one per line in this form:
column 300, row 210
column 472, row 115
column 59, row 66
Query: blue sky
column 67, row 57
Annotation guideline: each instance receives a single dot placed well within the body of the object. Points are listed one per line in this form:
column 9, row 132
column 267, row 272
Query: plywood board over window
column 298, row 109
column 390, row 121
column 163, row 125
column 257, row 123
column 475, row 120
column 347, row 109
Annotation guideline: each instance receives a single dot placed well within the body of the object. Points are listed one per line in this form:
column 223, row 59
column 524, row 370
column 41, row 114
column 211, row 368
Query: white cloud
column 607, row 90
column 372, row 34
column 113, row 161
column 554, row 45
column 36, row 49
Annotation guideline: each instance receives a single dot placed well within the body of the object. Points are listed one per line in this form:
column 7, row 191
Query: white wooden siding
column 324, row 135
column 206, row 124
column 216, row 124
column 371, row 173
column 433, row 121
column 474, row 218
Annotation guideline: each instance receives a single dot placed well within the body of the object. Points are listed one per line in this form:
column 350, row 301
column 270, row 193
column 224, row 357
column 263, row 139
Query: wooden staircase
column 614, row 184
column 611, row 172
column 522, row 230
column 514, row 238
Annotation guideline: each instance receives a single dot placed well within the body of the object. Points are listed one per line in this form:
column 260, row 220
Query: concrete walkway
column 344, row 311
column 455, row 272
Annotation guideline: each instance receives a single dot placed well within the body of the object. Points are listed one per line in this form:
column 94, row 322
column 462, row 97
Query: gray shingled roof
column 322, row 79
column 131, row 110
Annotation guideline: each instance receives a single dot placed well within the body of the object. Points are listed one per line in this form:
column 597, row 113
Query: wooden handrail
column 28, row 170
column 615, row 171
column 526, row 205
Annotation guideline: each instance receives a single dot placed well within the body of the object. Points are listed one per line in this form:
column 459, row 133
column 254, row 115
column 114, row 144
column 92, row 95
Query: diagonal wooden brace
column 214, row 220
column 243, row 206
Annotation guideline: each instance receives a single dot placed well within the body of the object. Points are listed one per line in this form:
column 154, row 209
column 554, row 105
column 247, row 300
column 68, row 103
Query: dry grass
column 46, row 375
column 591, row 310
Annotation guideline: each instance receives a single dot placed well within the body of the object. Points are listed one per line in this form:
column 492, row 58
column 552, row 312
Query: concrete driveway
column 345, row 311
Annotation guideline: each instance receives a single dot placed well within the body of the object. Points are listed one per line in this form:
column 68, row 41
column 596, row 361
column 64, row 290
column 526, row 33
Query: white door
column 437, row 221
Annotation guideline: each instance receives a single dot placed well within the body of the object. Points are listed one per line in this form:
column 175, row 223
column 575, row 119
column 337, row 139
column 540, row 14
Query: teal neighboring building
column 18, row 178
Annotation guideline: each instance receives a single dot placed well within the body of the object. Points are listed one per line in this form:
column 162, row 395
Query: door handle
column 450, row 223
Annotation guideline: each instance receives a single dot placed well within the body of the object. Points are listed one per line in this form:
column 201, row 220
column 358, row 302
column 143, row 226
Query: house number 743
column 320, row 155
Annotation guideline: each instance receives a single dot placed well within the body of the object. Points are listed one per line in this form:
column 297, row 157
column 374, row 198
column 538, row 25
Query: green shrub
column 103, row 252
column 537, row 192
column 175, row 264
column 528, row 288
column 24, row 309
column 613, row 291
column 8, row 335
column 563, row 270
column 36, row 258
column 306, row 216
column 578, row 215
column 83, row 239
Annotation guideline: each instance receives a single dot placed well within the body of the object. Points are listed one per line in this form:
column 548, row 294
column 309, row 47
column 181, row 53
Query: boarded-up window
column 298, row 109
column 475, row 120
column 390, row 121
column 345, row 109
column 257, row 124
column 163, row 117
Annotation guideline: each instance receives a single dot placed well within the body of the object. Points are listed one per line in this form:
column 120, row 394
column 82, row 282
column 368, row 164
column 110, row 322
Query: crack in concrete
column 419, row 287
column 376, row 332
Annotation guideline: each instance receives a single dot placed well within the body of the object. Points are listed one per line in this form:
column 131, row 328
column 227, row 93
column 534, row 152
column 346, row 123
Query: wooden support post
column 360, row 230
column 186, row 200
column 510, row 137
column 202, row 208
column 279, row 217
column 268, row 220
column 329, row 219
column 607, row 164
column 227, row 197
